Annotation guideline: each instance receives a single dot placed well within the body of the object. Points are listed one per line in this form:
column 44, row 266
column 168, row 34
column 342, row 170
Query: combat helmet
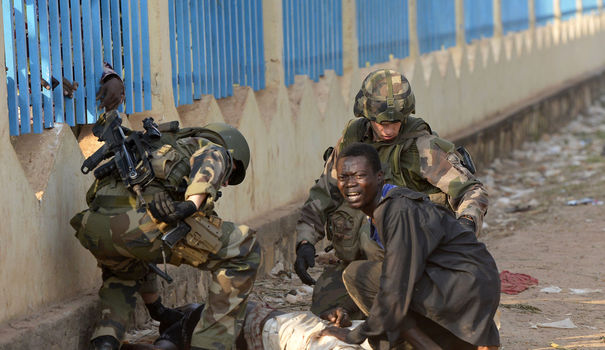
column 385, row 96
column 238, row 147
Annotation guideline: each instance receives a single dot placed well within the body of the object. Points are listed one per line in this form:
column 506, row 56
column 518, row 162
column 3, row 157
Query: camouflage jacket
column 416, row 159
column 184, row 164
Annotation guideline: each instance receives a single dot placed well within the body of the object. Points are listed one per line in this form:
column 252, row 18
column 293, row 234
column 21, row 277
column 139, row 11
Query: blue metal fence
column 478, row 19
column 589, row 6
column 515, row 15
column 545, row 11
column 380, row 35
column 312, row 32
column 47, row 42
column 436, row 20
column 568, row 9
column 214, row 45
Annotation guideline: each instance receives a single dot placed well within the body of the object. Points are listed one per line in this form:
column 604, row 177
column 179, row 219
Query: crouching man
column 437, row 288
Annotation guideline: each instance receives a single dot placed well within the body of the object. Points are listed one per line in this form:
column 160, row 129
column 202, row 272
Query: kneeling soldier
column 168, row 216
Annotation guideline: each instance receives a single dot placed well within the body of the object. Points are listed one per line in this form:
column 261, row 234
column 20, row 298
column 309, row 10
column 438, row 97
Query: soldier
column 412, row 157
column 190, row 165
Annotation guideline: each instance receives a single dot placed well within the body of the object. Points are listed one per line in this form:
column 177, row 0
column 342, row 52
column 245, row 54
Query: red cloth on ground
column 515, row 283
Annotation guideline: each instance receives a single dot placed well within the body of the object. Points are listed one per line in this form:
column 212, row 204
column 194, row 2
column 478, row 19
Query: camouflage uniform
column 124, row 240
column 416, row 159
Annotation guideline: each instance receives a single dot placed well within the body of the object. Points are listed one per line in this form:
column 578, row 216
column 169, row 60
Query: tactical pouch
column 169, row 165
column 343, row 229
column 203, row 239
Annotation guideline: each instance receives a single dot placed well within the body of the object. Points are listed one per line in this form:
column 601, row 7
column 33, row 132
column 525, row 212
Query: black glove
column 111, row 93
column 305, row 258
column 163, row 208
column 467, row 223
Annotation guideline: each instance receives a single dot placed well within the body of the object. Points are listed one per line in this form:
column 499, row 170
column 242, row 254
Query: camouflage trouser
column 349, row 231
column 124, row 244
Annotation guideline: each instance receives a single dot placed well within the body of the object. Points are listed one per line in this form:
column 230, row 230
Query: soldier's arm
column 210, row 166
column 323, row 198
column 441, row 167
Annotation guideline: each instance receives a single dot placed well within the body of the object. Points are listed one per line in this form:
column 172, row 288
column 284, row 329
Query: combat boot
column 104, row 342
column 166, row 316
column 180, row 333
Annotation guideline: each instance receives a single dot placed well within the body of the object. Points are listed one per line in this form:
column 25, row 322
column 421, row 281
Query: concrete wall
column 458, row 91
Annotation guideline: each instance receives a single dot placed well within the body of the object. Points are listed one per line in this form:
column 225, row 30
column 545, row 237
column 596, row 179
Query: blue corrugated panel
column 172, row 38
column 45, row 62
column 208, row 48
column 188, row 70
column 222, row 50
column 55, row 43
column 11, row 75
column 76, row 32
column 590, row 5
column 544, row 11
column 515, row 15
column 479, row 19
column 137, row 64
column 34, row 66
column 127, row 57
column 381, row 36
column 23, row 76
column 195, row 45
column 568, row 9
column 312, row 38
column 216, row 64
column 89, row 63
column 67, row 62
column 106, row 18
column 436, row 24
column 146, row 55
column 203, row 23
column 97, row 50
column 116, row 36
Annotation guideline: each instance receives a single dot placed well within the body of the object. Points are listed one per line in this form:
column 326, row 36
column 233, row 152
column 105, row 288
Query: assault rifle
column 130, row 152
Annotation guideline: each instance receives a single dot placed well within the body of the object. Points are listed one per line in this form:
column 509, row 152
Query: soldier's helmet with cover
column 385, row 96
column 238, row 147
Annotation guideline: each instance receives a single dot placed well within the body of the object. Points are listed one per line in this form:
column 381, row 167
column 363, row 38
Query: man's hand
column 163, row 208
column 338, row 316
column 111, row 93
column 336, row 332
column 305, row 258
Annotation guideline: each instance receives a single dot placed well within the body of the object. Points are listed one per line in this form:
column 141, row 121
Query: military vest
column 400, row 157
column 170, row 163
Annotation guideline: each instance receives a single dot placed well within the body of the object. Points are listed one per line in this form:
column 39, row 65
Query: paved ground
column 531, row 228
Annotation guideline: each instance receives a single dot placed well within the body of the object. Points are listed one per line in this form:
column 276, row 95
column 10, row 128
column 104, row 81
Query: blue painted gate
column 312, row 37
column 436, row 24
column 381, row 33
column 46, row 40
column 214, row 45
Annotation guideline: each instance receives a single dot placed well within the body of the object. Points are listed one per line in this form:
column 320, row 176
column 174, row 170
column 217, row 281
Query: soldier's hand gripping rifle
column 130, row 153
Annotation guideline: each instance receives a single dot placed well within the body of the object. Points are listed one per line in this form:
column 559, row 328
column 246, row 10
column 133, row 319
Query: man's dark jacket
column 435, row 267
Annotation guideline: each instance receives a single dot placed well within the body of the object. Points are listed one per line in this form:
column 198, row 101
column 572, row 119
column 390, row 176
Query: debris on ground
column 551, row 289
column 563, row 324
column 515, row 283
column 522, row 307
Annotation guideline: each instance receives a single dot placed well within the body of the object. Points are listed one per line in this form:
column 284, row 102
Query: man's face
column 386, row 131
column 358, row 183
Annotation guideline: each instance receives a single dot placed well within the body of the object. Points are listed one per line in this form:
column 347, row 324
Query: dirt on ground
column 546, row 219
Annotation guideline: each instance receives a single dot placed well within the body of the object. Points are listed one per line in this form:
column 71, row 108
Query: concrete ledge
column 68, row 325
